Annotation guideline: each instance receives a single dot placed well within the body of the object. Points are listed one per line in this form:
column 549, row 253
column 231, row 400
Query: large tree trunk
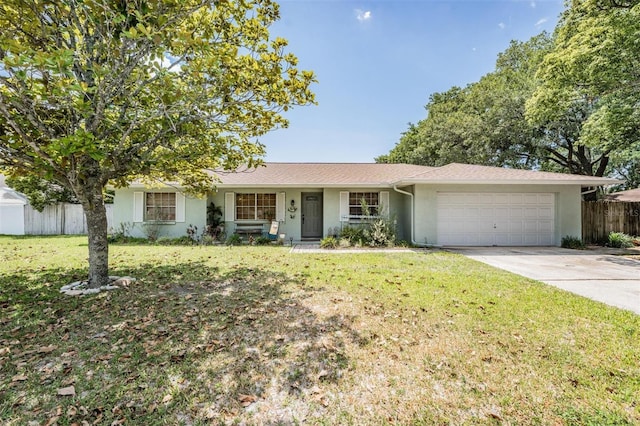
column 96, row 215
column 90, row 194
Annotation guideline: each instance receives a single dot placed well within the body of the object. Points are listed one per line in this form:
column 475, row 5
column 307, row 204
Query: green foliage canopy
column 40, row 192
column 484, row 122
column 154, row 89
column 567, row 103
column 100, row 91
column 596, row 63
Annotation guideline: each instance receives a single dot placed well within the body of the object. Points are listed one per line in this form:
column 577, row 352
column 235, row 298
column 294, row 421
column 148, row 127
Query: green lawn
column 256, row 335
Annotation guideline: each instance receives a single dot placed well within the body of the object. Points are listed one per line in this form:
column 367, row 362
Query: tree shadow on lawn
column 185, row 342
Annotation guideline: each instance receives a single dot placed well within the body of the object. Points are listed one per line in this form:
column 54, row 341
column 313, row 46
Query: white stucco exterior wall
column 292, row 227
column 123, row 212
column 567, row 205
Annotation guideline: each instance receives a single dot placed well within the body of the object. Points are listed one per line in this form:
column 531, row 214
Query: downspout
column 413, row 237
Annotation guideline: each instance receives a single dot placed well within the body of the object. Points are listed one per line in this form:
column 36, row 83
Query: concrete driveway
column 595, row 274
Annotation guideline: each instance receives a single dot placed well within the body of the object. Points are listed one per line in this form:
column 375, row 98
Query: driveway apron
column 606, row 278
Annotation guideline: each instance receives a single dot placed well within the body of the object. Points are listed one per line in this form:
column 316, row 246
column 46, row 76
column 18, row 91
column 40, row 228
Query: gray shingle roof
column 387, row 175
column 321, row 174
column 471, row 173
column 632, row 195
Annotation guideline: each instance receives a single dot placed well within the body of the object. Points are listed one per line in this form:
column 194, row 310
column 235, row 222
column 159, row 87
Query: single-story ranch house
column 457, row 204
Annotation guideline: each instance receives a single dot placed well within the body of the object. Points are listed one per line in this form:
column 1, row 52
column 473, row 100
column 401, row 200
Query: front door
column 312, row 215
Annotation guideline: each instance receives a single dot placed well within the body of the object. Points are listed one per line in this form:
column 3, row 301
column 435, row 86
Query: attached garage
column 471, row 205
column 495, row 219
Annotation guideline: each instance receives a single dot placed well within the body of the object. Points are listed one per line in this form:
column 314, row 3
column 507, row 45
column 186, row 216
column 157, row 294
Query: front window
column 160, row 206
column 255, row 206
column 358, row 200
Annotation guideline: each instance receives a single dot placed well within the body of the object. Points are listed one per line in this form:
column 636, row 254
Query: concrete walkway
column 596, row 274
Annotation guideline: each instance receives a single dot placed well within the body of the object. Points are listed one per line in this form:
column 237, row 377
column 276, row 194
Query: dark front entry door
column 312, row 215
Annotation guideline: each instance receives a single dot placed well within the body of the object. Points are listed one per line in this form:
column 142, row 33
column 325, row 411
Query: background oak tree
column 594, row 67
column 568, row 102
column 101, row 91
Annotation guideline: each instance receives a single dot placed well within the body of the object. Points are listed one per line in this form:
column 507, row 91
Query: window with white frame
column 160, row 206
column 357, row 200
column 255, row 206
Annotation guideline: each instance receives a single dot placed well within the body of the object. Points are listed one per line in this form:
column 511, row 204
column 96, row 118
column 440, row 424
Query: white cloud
column 502, row 25
column 363, row 15
column 532, row 4
column 541, row 21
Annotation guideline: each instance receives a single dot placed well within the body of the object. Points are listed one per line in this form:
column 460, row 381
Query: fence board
column 599, row 218
column 60, row 219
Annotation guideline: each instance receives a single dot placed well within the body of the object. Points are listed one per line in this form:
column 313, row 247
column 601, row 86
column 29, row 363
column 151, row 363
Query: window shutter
column 383, row 208
column 229, row 206
column 138, row 207
column 344, row 205
column 280, row 206
column 180, row 207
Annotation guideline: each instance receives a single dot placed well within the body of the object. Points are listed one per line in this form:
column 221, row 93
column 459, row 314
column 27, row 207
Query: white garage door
column 496, row 219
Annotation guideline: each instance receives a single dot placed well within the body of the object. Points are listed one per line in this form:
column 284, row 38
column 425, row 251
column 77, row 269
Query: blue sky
column 377, row 62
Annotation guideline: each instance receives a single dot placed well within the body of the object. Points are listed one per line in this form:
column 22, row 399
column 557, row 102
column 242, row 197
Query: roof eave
column 583, row 183
column 303, row 186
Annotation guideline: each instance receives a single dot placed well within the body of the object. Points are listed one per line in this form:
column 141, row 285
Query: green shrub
column 403, row 243
column 165, row 241
column 571, row 242
column 329, row 243
column 178, row 241
column 355, row 235
column 344, row 243
column 207, row 240
column 151, row 230
column 620, row 240
column 262, row 241
column 121, row 233
column 234, row 240
column 381, row 233
column 129, row 240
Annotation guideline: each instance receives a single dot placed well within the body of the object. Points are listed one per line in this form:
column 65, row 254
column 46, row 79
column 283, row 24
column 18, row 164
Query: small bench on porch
column 249, row 229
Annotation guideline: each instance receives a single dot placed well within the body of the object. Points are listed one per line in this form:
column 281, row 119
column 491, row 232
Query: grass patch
column 256, row 335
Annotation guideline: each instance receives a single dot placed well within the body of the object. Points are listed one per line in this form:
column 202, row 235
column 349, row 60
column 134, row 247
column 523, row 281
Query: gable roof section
column 632, row 195
column 473, row 174
column 320, row 175
column 9, row 196
column 379, row 175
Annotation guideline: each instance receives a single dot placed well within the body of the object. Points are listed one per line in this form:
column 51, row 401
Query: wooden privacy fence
column 599, row 218
column 59, row 219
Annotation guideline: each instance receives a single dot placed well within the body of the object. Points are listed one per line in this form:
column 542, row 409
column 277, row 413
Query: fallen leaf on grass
column 322, row 399
column 19, row 378
column 46, row 349
column 69, row 381
column 68, row 391
column 52, row 421
column 247, row 400
column 494, row 414
column 166, row 399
